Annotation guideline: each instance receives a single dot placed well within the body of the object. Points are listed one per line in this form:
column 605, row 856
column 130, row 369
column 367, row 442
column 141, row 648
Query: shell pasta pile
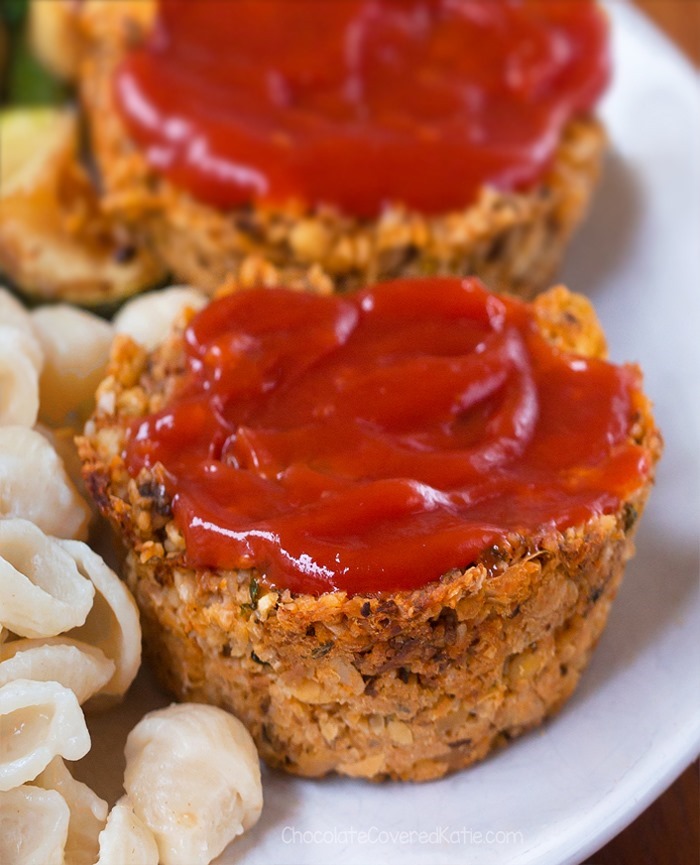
column 70, row 638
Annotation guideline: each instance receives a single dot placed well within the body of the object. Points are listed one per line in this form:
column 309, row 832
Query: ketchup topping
column 357, row 103
column 378, row 440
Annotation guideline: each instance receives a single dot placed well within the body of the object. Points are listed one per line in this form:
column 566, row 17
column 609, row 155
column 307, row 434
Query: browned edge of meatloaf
column 513, row 240
column 406, row 685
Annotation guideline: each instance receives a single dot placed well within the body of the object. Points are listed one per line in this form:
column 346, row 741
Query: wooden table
column 668, row 832
column 681, row 21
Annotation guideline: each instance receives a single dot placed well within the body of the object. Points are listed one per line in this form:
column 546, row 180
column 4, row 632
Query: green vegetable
column 13, row 11
column 28, row 82
column 254, row 592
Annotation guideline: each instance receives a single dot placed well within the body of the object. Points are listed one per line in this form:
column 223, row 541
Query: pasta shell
column 40, row 720
column 148, row 318
column 88, row 813
column 33, row 826
column 19, row 379
column 76, row 347
column 81, row 668
column 126, row 839
column 62, row 440
column 42, row 593
column 113, row 623
column 13, row 314
column 50, row 500
column 193, row 775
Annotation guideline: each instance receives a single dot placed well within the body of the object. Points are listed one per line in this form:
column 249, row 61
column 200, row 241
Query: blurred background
column 680, row 19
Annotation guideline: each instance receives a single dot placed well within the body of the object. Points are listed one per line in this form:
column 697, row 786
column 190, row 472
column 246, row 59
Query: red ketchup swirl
column 357, row 103
column 379, row 440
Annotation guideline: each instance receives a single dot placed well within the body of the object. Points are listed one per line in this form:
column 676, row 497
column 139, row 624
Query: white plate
column 560, row 793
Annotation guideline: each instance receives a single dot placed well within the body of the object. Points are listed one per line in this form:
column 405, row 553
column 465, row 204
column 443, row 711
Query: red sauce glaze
column 357, row 103
column 378, row 440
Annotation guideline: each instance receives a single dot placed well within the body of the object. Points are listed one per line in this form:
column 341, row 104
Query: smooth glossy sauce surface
column 378, row 440
column 357, row 103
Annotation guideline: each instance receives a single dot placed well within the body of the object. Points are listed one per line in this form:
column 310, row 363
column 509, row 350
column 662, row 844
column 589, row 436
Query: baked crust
column 513, row 241
column 407, row 685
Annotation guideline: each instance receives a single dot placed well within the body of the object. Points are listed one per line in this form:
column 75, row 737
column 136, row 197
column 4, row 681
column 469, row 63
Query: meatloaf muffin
column 408, row 682
column 512, row 237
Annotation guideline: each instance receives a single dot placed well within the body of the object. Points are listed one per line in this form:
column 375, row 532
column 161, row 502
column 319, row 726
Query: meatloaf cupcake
column 384, row 529
column 370, row 138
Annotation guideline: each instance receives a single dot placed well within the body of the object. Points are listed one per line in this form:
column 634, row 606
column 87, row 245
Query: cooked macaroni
column 193, row 821
column 33, row 826
column 51, row 500
column 76, row 346
column 148, row 318
column 42, row 593
column 13, row 314
column 40, row 721
column 88, row 813
column 81, row 668
column 19, row 379
column 112, row 624
column 126, row 840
